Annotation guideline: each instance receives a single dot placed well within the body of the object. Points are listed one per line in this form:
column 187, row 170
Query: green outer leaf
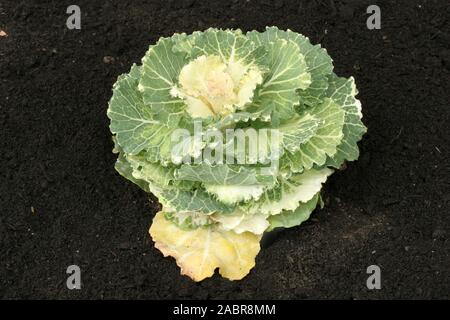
column 184, row 43
column 124, row 168
column 288, row 219
column 324, row 142
column 343, row 91
column 161, row 67
column 223, row 174
column 229, row 45
column 290, row 192
column 287, row 72
column 151, row 172
column 297, row 131
column 134, row 124
column 131, row 120
column 318, row 62
column 138, row 170
column 196, row 200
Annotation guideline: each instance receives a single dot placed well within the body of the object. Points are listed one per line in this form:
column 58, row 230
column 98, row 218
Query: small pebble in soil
column 108, row 59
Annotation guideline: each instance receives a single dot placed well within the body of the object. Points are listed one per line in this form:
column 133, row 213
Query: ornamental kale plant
column 235, row 134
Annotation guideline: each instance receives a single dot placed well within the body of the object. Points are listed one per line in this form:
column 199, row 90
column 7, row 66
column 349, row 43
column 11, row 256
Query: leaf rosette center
column 211, row 86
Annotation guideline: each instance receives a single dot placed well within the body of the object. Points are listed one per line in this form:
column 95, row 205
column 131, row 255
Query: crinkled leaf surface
column 318, row 63
column 286, row 74
column 126, row 170
column 230, row 45
column 343, row 91
column 292, row 218
column 161, row 67
column 224, row 174
column 192, row 200
column 298, row 130
column 287, row 196
column 134, row 123
column 325, row 140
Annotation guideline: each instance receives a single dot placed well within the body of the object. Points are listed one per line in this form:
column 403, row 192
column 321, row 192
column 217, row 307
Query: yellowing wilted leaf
column 200, row 251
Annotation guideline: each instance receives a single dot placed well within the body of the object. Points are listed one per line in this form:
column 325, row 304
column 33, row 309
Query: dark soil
column 62, row 202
